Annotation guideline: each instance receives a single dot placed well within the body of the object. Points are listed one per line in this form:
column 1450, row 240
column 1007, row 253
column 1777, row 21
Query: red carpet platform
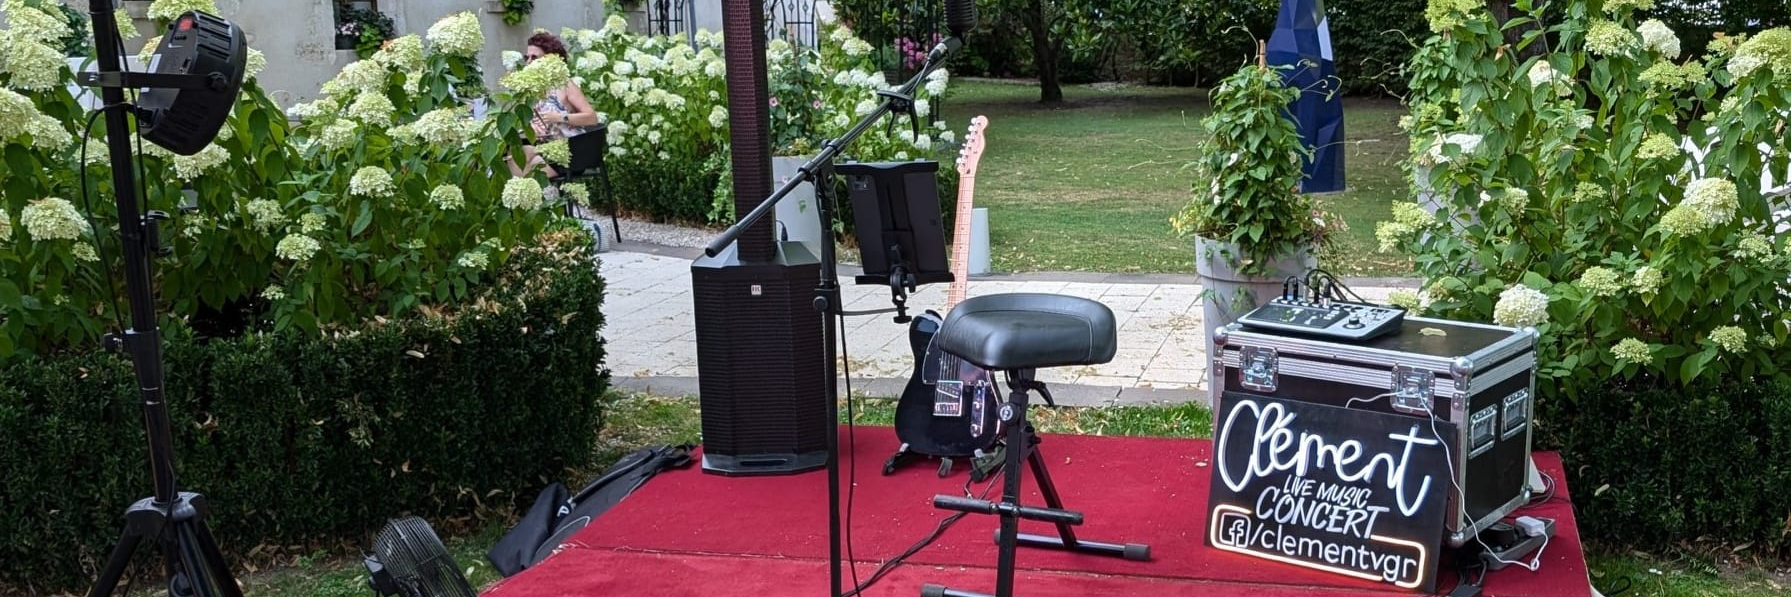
column 689, row 534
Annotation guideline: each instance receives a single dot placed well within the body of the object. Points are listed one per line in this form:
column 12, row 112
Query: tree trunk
column 1044, row 53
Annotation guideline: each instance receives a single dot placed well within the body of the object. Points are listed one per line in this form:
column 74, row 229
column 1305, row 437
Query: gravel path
column 663, row 234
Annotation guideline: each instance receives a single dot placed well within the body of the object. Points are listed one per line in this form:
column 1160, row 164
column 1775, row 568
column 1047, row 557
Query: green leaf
column 365, row 219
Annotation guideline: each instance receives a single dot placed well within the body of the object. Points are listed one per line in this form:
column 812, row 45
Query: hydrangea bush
column 386, row 197
column 1601, row 184
column 665, row 101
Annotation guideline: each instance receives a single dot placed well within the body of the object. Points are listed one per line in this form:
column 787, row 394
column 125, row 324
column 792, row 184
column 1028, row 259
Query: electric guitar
column 955, row 415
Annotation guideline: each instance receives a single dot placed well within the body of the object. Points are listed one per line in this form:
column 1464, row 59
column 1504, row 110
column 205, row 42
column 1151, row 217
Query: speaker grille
column 760, row 360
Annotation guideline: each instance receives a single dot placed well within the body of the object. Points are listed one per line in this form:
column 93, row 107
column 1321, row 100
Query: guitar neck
column 960, row 244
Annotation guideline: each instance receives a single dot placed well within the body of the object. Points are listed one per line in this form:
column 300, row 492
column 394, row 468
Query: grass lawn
column 1089, row 184
column 643, row 420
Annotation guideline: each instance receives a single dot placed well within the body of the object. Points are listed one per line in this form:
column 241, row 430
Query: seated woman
column 565, row 112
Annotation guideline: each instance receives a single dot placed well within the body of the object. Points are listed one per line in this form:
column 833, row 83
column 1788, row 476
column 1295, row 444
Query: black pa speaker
column 186, row 119
column 760, row 363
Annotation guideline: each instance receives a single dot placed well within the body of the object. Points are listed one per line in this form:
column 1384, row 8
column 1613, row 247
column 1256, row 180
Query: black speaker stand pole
column 819, row 173
column 174, row 519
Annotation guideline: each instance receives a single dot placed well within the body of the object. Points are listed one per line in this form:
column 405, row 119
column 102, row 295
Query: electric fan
column 408, row 560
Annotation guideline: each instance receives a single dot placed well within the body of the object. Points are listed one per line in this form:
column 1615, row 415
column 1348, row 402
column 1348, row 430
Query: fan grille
column 418, row 562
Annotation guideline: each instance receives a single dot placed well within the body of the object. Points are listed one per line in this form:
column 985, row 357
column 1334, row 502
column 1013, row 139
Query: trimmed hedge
column 1654, row 468
column 304, row 440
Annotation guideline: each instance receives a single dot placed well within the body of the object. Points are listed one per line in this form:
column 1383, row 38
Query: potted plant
column 1252, row 226
column 362, row 30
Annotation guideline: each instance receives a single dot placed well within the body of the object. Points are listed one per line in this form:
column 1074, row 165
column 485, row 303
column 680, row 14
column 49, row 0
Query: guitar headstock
column 973, row 147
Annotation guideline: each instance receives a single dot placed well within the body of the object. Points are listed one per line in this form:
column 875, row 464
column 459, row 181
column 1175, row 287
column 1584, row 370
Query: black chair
column 588, row 150
column 1017, row 334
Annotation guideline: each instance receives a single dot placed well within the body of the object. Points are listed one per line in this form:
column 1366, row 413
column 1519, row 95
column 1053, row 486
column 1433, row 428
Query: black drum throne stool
column 1017, row 334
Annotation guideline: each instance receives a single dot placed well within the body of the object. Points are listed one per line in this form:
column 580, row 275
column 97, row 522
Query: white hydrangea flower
column 856, row 47
column 545, row 73
column 1730, row 338
column 1646, row 280
column 371, row 181
column 936, row 82
column 29, row 23
column 718, row 117
column 922, row 107
column 865, row 107
column 168, row 10
column 512, row 59
column 265, row 214
column 53, row 218
column 297, row 247
column 1658, row 37
column 1631, row 350
column 948, row 137
column 924, row 142
column 1754, row 247
column 313, row 109
column 256, row 62
column 1601, row 281
column 1607, row 38
column 362, row 76
column 312, row 223
column 189, row 167
column 338, row 135
column 83, row 252
column 442, row 126
column 274, row 293
column 576, row 192
column 402, row 55
column 458, row 34
column 5, row 225
column 19, row 117
column 556, row 152
column 474, row 259
column 447, row 197
column 33, row 65
column 1521, row 306
column 1709, row 203
column 149, row 47
column 522, row 194
column 372, row 108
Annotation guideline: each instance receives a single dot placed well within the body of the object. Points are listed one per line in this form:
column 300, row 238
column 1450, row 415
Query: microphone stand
column 174, row 518
column 819, row 171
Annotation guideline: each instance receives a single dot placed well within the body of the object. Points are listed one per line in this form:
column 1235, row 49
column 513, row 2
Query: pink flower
column 816, row 104
column 774, row 102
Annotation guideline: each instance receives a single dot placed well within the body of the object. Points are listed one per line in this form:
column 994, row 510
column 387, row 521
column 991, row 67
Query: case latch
column 1258, row 368
column 1412, row 390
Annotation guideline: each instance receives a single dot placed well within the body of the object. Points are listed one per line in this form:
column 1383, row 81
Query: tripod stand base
column 195, row 567
column 1022, row 445
column 1137, row 552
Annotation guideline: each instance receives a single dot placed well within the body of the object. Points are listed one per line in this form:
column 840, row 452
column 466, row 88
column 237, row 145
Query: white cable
column 1386, row 395
column 1462, row 506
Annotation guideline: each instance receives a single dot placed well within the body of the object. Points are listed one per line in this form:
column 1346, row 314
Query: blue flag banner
column 1302, row 40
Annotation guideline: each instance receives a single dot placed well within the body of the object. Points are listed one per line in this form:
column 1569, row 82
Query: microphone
column 960, row 16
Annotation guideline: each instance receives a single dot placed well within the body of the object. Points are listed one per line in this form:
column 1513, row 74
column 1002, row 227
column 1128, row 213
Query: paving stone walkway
column 651, row 338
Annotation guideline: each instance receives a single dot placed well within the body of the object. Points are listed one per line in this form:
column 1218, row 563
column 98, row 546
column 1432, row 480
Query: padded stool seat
column 1023, row 330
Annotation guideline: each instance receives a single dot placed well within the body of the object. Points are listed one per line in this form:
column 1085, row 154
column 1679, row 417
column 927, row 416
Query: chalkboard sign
column 1352, row 492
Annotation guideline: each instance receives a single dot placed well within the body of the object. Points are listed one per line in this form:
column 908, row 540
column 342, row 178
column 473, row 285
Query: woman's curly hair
column 549, row 43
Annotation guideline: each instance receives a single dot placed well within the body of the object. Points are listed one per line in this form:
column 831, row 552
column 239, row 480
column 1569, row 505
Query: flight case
column 1479, row 377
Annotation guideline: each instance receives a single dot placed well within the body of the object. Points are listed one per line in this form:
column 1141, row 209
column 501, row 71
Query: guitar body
column 949, row 408
column 968, row 390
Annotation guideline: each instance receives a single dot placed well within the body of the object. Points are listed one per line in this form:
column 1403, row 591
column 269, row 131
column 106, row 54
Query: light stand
column 176, row 519
column 819, row 172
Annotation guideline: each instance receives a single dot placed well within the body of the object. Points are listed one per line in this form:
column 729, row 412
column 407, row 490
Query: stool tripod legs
column 1022, row 443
